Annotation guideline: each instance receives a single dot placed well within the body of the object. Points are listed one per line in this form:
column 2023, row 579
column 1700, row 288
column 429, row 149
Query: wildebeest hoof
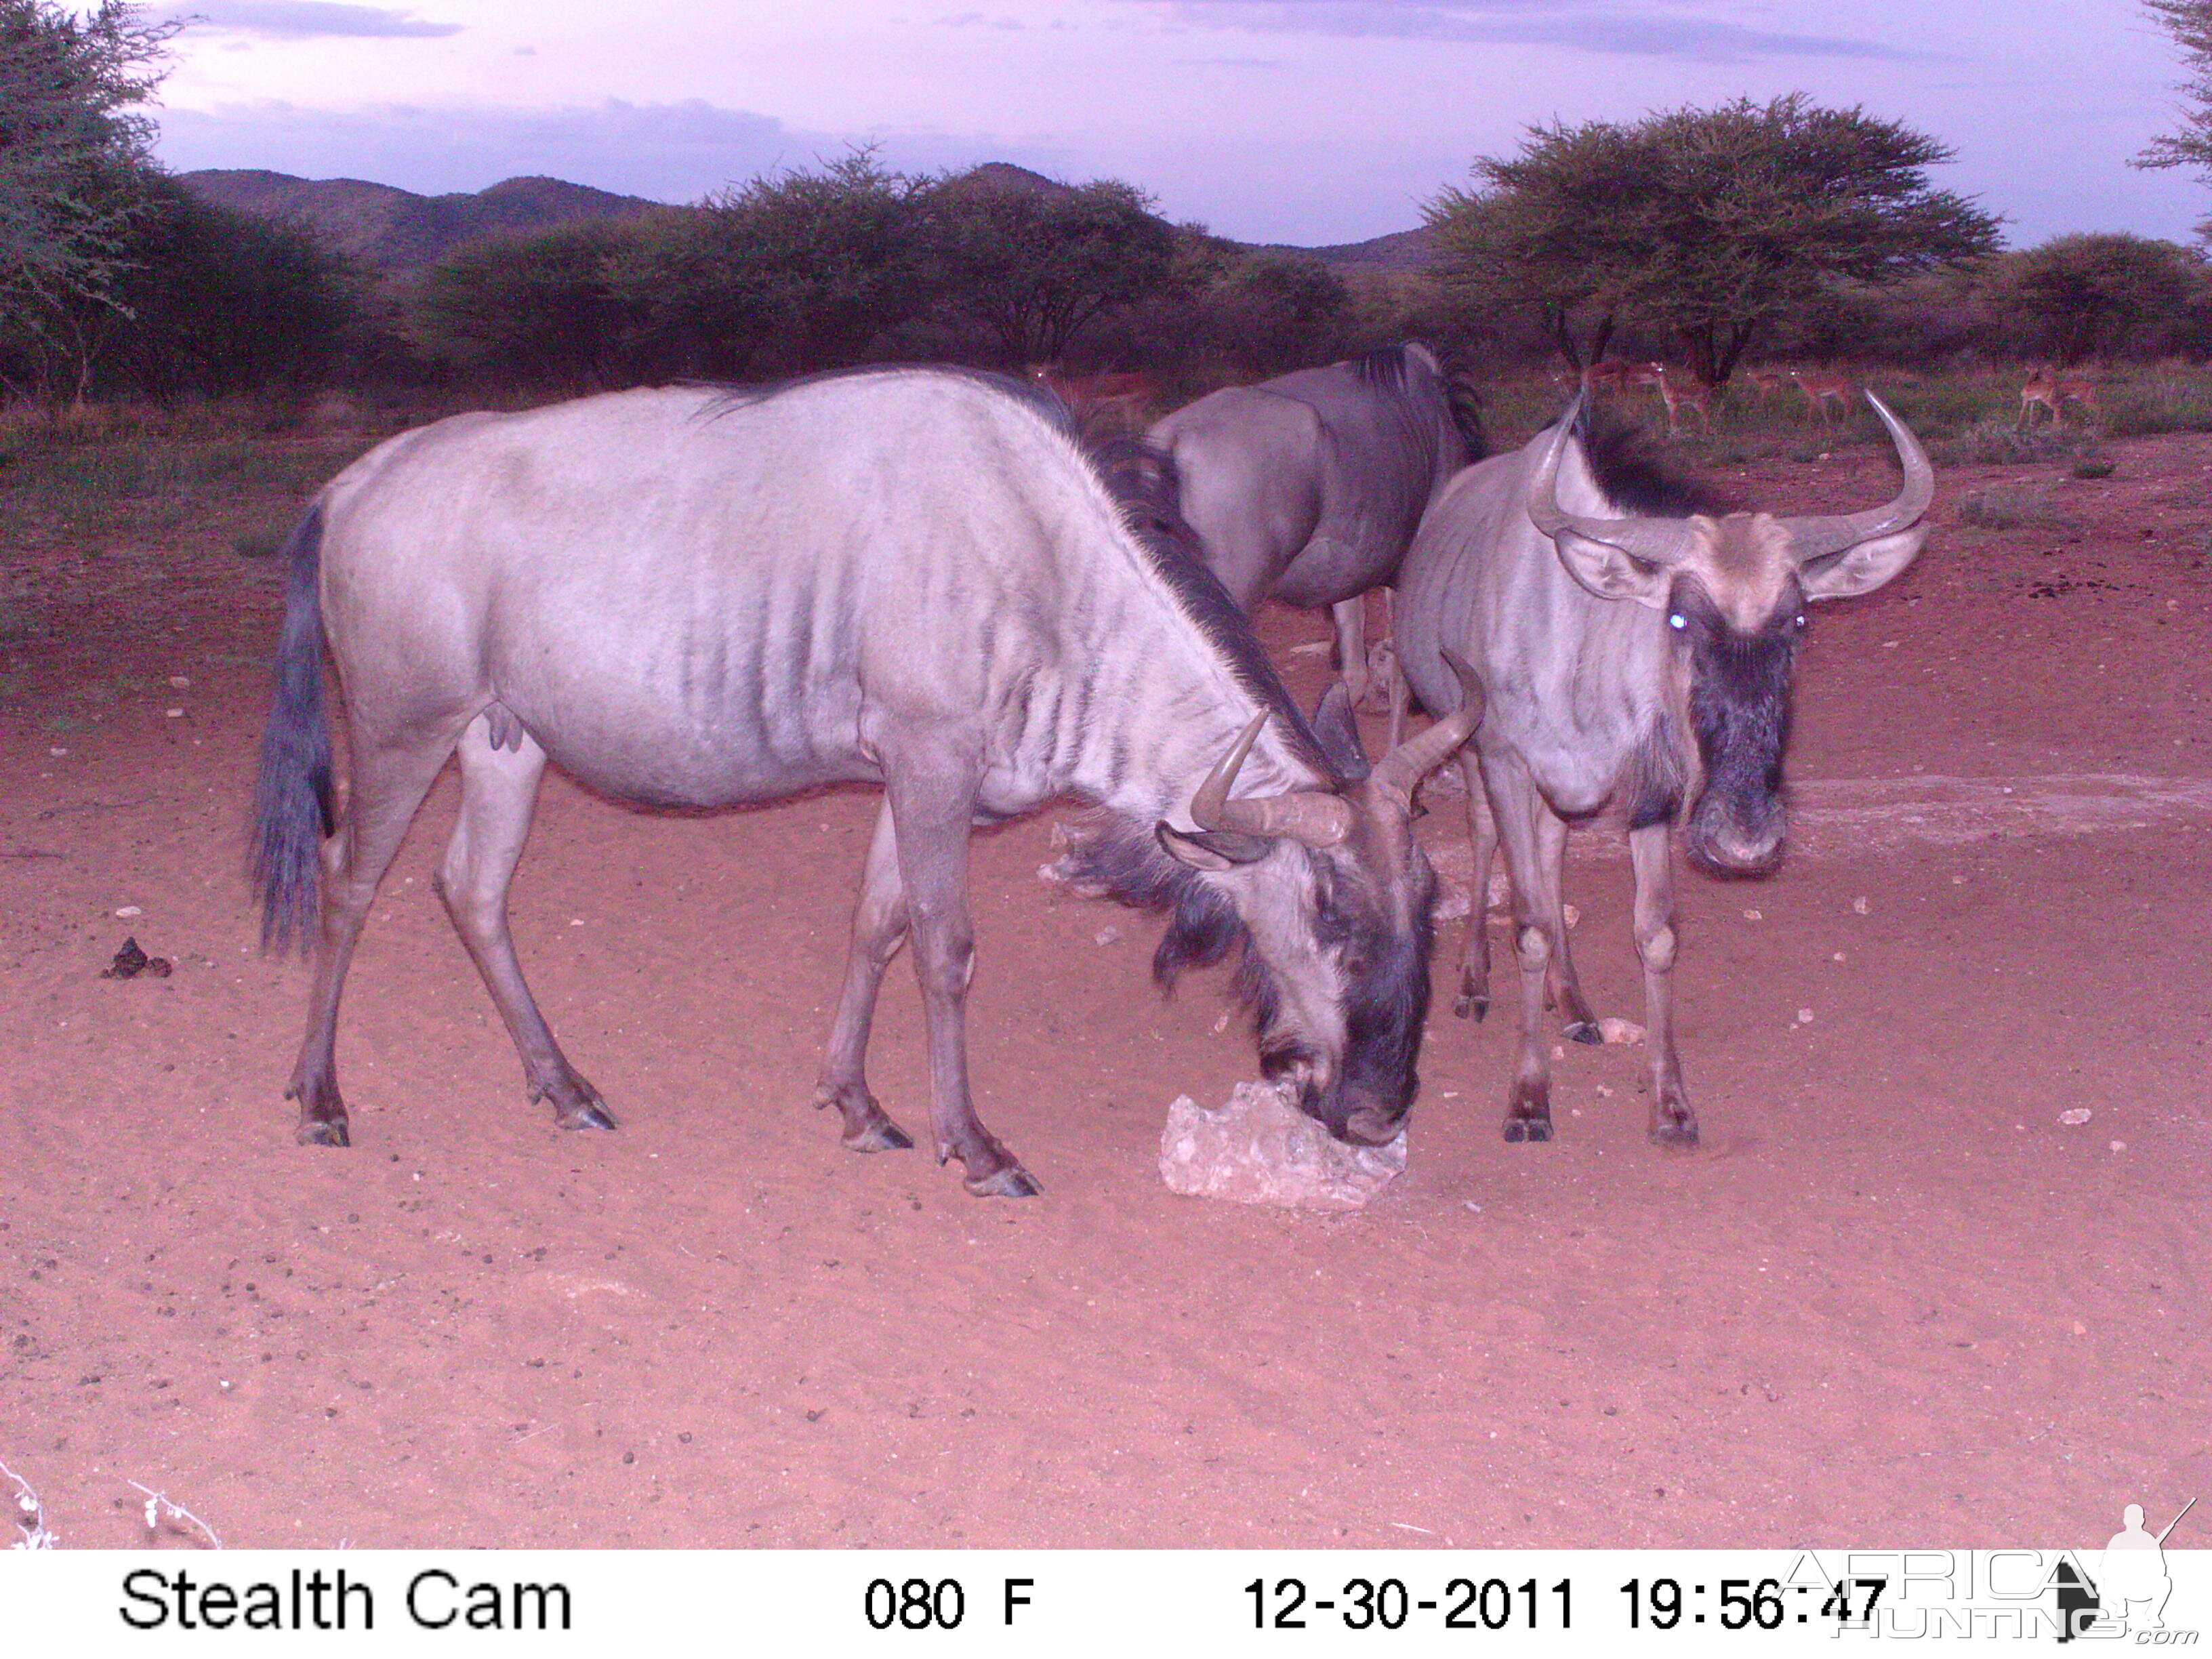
column 880, row 1137
column 588, row 1114
column 1585, row 1032
column 318, row 1133
column 1474, row 1008
column 1012, row 1182
column 1527, row 1128
column 1675, row 1137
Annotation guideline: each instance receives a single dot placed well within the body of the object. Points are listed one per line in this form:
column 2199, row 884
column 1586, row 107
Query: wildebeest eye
column 1798, row 622
column 1676, row 619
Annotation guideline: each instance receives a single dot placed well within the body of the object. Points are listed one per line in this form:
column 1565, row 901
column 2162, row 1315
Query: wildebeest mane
column 1388, row 369
column 1634, row 477
column 1142, row 479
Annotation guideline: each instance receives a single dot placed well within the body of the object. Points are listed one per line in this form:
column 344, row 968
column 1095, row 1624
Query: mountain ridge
column 395, row 230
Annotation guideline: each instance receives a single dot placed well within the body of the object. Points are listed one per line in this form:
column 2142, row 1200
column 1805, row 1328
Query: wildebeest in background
column 1308, row 488
column 1633, row 647
column 693, row 598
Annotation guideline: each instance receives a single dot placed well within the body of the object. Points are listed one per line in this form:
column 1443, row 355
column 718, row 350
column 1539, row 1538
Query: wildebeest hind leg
column 1673, row 1122
column 388, row 784
column 933, row 811
column 1350, row 617
column 879, row 928
column 498, row 792
column 1474, row 962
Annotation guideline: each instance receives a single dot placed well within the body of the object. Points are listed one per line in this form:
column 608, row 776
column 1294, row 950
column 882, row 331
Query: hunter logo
column 2129, row 1592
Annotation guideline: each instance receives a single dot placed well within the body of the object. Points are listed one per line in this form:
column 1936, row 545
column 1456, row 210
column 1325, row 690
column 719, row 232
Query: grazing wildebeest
column 1633, row 647
column 1308, row 488
column 695, row 597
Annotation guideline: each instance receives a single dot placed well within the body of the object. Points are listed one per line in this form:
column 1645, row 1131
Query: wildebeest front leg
column 1513, row 803
column 499, row 792
column 1562, row 990
column 388, row 784
column 933, row 814
column 879, row 928
column 1649, row 851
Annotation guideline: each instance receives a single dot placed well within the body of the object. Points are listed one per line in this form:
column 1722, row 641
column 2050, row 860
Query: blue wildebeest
column 694, row 598
column 1634, row 648
column 1309, row 487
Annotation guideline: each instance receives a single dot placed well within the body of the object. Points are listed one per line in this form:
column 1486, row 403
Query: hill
column 391, row 229
column 1401, row 251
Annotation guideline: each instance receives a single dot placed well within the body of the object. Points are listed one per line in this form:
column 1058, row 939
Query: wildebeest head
column 1330, row 893
column 1733, row 590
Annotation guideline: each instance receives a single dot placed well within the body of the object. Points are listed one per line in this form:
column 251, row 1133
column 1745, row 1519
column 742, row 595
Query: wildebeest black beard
column 1740, row 714
column 1385, row 1012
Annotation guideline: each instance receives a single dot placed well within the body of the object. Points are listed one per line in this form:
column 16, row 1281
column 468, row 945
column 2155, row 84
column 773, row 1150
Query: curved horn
column 1817, row 537
column 1654, row 541
column 1311, row 816
column 1411, row 761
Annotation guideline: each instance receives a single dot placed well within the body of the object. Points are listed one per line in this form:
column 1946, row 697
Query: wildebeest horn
column 1654, row 541
column 1312, row 816
column 1404, row 767
column 1815, row 538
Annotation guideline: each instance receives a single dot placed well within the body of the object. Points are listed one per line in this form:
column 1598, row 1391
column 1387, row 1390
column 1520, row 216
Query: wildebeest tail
column 293, row 810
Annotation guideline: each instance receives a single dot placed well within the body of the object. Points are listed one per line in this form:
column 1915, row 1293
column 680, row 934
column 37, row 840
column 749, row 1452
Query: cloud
column 1603, row 26
column 665, row 152
column 303, row 19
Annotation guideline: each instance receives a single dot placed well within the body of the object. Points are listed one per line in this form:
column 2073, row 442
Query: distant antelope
column 1123, row 397
column 1690, row 392
column 1764, row 382
column 2045, row 387
column 1614, row 375
column 1818, row 384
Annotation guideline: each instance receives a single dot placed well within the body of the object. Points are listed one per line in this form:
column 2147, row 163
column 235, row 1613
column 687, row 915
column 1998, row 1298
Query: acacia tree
column 1703, row 223
column 2189, row 23
column 74, row 160
column 1034, row 263
column 533, row 310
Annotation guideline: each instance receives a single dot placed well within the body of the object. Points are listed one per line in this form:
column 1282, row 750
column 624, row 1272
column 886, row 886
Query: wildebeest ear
column 1863, row 568
column 1210, row 850
column 1611, row 574
column 1333, row 723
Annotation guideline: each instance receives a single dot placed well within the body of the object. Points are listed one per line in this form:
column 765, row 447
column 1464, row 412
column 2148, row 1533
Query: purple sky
column 1304, row 121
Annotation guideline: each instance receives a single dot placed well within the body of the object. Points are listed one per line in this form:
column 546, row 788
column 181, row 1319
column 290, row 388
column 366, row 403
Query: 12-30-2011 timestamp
column 1387, row 1604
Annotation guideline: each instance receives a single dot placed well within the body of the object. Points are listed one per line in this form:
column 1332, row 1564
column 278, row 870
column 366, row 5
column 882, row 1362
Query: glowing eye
column 1801, row 619
column 1677, row 620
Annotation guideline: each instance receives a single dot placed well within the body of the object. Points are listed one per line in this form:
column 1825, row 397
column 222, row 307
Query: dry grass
column 2010, row 507
column 1966, row 417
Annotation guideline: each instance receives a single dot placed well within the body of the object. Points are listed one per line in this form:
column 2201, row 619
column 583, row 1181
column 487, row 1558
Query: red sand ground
column 1891, row 1299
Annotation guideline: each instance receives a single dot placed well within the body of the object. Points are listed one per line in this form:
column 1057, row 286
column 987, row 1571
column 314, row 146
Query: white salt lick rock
column 1258, row 1148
